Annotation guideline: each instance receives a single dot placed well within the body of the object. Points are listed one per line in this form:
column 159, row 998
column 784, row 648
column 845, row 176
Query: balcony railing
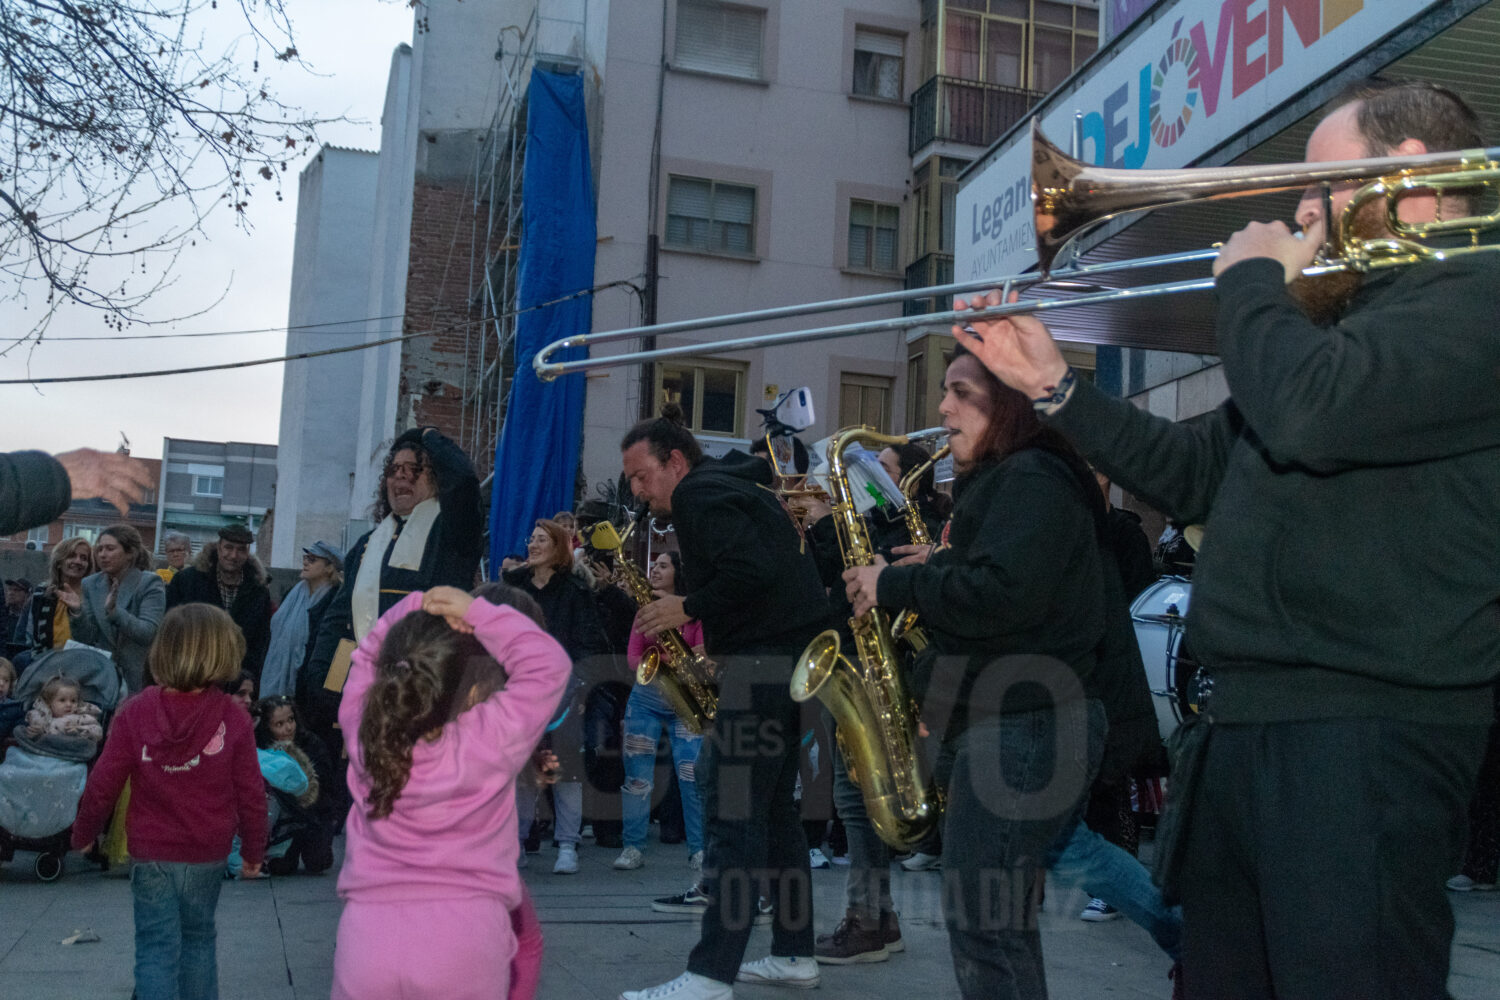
column 924, row 272
column 966, row 111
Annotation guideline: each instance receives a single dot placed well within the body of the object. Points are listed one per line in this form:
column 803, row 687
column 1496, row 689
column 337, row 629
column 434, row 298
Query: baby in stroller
column 42, row 776
column 60, row 711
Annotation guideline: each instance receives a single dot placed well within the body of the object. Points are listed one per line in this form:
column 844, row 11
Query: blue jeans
column 646, row 713
column 1019, row 781
column 1082, row 857
column 175, row 957
column 868, row 889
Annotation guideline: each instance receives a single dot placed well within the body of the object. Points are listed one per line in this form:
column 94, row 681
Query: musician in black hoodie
column 753, row 584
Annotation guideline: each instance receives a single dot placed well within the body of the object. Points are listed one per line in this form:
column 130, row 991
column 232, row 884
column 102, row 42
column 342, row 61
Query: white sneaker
column 816, row 859
column 629, row 860
column 798, row 973
column 688, row 986
column 695, row 861
column 567, row 860
column 920, row 862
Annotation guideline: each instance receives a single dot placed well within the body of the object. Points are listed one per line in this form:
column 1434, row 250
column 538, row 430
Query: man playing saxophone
column 750, row 580
column 1363, row 435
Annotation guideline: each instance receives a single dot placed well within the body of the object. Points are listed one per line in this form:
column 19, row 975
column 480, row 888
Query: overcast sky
column 349, row 44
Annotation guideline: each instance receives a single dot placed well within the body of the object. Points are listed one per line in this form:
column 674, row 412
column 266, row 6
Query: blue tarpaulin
column 536, row 461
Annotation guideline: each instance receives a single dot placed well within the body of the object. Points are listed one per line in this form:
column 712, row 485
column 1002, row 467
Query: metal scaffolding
column 498, row 166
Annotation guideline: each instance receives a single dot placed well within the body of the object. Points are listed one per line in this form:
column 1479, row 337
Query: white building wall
column 807, row 146
column 390, row 243
column 329, row 294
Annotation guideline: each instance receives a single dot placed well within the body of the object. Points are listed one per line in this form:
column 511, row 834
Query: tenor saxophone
column 685, row 678
column 868, row 695
column 904, row 628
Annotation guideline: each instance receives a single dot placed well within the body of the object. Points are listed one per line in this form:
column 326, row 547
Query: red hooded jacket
column 194, row 779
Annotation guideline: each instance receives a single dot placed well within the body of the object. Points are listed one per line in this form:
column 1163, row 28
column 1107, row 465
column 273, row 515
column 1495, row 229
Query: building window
column 712, row 396
column 208, row 486
column 865, row 399
column 916, row 391
column 873, row 236
column 711, row 216
column 72, row 529
column 719, row 38
column 878, row 60
column 1028, row 44
column 37, row 537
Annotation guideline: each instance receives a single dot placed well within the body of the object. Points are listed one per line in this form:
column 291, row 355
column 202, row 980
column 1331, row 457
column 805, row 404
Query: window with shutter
column 878, row 59
column 873, row 242
column 719, row 38
column 708, row 215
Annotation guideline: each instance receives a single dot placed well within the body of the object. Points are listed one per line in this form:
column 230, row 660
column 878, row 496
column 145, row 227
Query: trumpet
column 1070, row 199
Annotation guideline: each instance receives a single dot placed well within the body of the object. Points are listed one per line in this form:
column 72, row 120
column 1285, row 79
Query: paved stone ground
column 276, row 937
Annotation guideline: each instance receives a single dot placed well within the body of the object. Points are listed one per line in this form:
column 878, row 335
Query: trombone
column 1071, row 198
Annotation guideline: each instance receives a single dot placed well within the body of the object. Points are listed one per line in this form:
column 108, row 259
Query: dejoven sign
column 1202, row 72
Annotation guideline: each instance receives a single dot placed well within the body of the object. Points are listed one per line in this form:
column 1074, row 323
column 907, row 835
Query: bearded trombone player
column 1345, row 597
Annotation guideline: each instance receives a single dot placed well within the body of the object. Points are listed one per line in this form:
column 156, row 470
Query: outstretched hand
column 1018, row 349
column 451, row 603
column 111, row 476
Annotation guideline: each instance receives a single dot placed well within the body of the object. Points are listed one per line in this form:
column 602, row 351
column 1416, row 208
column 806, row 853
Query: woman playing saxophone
column 1014, row 609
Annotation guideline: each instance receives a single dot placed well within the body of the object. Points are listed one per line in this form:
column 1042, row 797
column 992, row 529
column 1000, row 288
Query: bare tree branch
column 122, row 130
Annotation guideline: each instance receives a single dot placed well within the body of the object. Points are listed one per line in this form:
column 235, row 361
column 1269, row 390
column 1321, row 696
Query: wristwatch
column 1057, row 394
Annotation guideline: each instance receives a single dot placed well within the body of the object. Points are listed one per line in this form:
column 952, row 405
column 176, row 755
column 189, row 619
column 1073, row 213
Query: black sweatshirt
column 1350, row 491
column 1022, row 576
column 748, row 576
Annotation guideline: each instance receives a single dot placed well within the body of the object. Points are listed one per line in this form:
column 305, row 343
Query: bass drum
column 1159, row 614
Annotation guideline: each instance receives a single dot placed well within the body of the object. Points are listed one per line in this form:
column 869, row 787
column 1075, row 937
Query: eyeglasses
column 409, row 469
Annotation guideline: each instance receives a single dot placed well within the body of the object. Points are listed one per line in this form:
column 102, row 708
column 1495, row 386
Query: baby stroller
column 42, row 779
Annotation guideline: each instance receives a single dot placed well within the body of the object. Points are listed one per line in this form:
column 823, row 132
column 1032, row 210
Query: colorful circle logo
column 1182, row 55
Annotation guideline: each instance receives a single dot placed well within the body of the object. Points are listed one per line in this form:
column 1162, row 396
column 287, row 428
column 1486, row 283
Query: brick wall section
column 445, row 268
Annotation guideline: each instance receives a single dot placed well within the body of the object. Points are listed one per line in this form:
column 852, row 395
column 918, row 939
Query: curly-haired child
column 444, row 702
column 304, row 831
column 189, row 754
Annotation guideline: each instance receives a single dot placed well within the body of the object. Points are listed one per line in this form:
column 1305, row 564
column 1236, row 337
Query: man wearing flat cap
column 227, row 574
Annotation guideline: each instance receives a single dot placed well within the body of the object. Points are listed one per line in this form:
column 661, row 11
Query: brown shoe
column 890, row 932
column 851, row 941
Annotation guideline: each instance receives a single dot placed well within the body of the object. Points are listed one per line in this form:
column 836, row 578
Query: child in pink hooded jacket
column 437, row 731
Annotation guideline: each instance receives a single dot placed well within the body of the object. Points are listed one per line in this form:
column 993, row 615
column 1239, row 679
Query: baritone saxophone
column 868, row 695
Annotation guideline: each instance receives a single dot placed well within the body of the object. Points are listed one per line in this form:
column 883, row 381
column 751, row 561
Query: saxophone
column 904, row 628
column 876, row 715
column 688, row 678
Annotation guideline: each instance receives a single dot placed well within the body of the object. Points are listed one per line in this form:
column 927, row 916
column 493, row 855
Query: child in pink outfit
column 437, row 732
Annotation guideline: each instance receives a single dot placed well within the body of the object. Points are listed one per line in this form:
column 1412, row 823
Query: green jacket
column 1350, row 490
